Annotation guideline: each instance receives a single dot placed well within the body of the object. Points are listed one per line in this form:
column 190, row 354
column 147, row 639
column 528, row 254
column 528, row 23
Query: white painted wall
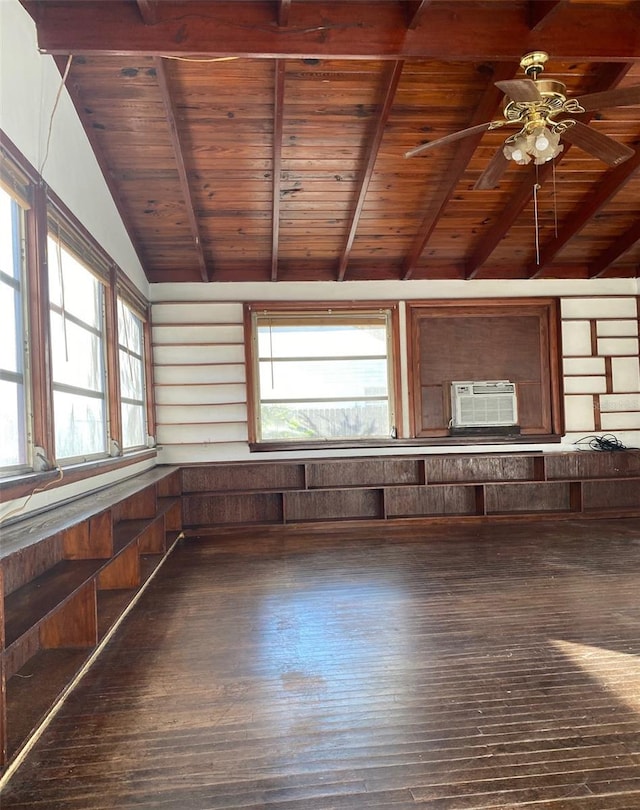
column 29, row 83
column 201, row 394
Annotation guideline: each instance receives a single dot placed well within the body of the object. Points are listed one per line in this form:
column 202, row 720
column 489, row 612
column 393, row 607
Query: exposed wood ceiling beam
column 612, row 182
column 148, row 11
column 484, row 112
column 284, row 7
column 393, row 78
column 542, row 11
column 170, row 112
column 617, row 249
column 609, row 77
column 278, row 115
column 416, row 11
column 469, row 30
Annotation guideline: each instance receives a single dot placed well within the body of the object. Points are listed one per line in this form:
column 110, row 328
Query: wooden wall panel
column 484, row 340
column 123, row 572
column 16, row 656
column 173, row 517
column 435, row 409
column 215, row 510
column 268, row 475
column 141, row 505
column 28, row 563
column 74, row 624
column 364, row 472
column 170, row 486
column 490, row 347
column 348, row 504
column 441, row 500
column 592, row 465
column 153, row 540
column 611, row 495
column 90, row 540
column 443, row 469
column 536, row 497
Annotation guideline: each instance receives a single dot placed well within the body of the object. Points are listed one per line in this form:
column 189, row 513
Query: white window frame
column 140, row 358
column 60, row 387
column 22, row 376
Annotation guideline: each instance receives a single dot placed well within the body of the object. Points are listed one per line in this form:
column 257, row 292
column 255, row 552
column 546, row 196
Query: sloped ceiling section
column 266, row 139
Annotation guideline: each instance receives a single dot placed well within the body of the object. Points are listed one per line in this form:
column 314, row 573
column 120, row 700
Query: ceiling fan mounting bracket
column 534, row 62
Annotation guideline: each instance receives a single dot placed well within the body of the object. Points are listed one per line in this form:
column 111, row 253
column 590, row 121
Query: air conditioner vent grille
column 483, row 404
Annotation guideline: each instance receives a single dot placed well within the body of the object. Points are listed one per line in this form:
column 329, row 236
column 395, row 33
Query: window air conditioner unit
column 483, row 404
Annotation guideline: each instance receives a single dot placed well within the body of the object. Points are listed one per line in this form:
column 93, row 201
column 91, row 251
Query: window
column 76, row 307
column 132, row 387
column 14, row 428
column 323, row 375
column 74, row 363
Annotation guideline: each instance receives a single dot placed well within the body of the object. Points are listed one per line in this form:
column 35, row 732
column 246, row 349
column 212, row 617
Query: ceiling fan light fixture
column 516, row 149
column 544, row 145
column 541, row 145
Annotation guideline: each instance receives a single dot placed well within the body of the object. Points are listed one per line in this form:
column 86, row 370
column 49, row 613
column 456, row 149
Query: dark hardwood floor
column 493, row 666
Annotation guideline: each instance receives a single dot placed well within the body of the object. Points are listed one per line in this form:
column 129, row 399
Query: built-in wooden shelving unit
column 66, row 577
column 491, row 486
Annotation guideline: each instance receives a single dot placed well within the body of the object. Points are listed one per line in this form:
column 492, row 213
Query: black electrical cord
column 606, row 442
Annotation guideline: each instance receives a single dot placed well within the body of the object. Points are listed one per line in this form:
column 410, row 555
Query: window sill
column 23, row 485
column 423, row 441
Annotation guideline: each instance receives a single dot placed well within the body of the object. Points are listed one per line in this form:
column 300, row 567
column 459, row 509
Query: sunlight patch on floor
column 617, row 672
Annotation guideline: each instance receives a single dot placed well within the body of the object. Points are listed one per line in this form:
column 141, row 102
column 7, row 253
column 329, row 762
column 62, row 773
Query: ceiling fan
column 534, row 104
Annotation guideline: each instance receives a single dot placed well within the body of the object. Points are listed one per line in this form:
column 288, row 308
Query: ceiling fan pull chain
column 536, row 188
column 273, row 385
column 555, row 201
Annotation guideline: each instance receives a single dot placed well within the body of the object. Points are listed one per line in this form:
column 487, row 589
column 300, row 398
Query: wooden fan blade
column 491, row 176
column 620, row 97
column 597, row 144
column 520, row 89
column 455, row 136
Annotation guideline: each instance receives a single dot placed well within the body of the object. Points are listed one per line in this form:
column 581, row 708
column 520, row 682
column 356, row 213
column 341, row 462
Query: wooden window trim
column 311, row 308
column 477, row 308
column 32, row 482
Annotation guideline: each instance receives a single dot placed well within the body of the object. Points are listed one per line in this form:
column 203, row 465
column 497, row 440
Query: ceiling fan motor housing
column 553, row 95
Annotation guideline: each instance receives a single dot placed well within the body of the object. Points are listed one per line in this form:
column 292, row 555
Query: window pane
column 322, row 340
column 80, row 425
column 8, row 211
column 323, row 379
column 133, row 425
column 13, row 402
column 131, row 377
column 12, row 433
column 129, row 329
column 74, row 288
column 131, row 340
column 323, row 376
column 321, row 420
column 76, row 355
column 10, row 360
column 77, row 351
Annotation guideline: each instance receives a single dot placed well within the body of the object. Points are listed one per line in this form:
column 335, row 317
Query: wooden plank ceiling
column 265, row 140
